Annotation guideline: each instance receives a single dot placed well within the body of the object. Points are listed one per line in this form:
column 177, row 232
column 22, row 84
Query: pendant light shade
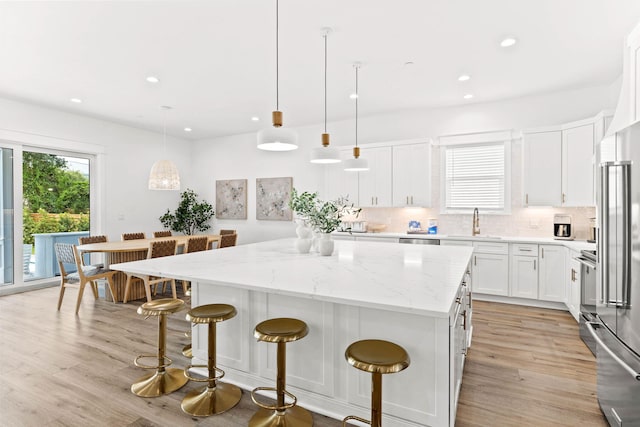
column 357, row 164
column 325, row 154
column 164, row 174
column 277, row 138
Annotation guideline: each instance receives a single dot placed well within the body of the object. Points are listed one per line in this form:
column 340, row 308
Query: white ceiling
column 216, row 59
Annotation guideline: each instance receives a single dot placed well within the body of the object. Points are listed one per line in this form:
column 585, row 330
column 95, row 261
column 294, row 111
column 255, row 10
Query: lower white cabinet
column 524, row 277
column 572, row 278
column 491, row 268
column 552, row 284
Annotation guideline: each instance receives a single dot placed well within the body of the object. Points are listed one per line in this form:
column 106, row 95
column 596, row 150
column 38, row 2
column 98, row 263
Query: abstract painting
column 231, row 199
column 272, row 199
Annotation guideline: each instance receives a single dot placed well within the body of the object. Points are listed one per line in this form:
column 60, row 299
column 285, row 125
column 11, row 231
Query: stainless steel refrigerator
column 617, row 325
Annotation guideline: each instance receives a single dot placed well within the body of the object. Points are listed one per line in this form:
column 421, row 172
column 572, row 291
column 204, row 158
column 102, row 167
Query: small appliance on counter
column 592, row 230
column 562, row 227
column 414, row 227
column 354, row 226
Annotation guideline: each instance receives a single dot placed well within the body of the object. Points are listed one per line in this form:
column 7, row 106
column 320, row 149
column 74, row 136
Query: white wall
column 237, row 157
column 128, row 156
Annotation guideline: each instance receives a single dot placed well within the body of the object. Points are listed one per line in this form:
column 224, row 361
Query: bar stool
column 378, row 357
column 281, row 331
column 216, row 397
column 164, row 380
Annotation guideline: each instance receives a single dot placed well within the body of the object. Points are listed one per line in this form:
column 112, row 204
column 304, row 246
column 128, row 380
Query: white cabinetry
column 552, row 285
column 572, row 278
column 412, row 175
column 491, row 268
column 340, row 183
column 375, row 184
column 558, row 166
column 577, row 166
column 633, row 46
column 543, row 168
column 524, row 271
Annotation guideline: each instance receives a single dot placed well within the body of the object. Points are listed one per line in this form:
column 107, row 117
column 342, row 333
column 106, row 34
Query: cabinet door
column 573, row 286
column 542, row 168
column 340, row 183
column 412, row 175
column 375, row 184
column 577, row 166
column 524, row 277
column 551, row 278
column 491, row 274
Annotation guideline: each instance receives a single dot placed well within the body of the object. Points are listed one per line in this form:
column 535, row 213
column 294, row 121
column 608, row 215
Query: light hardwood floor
column 526, row 367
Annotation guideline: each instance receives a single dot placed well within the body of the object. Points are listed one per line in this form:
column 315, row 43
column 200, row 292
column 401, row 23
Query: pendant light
column 357, row 164
column 277, row 138
column 164, row 173
column 325, row 154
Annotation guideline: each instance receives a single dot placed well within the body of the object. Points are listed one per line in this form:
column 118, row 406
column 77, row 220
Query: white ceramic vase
column 325, row 245
column 304, row 233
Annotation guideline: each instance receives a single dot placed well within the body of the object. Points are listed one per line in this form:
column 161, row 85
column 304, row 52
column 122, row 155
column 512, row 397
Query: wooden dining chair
column 157, row 249
column 163, row 233
column 133, row 236
column 227, row 240
column 223, row 232
column 86, row 240
column 197, row 244
column 67, row 254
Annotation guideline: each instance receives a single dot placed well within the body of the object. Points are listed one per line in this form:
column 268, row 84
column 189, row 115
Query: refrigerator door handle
column 603, row 242
column 626, row 234
column 591, row 326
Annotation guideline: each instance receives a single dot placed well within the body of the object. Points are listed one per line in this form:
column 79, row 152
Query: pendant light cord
column 277, row 60
column 325, row 83
column 357, row 96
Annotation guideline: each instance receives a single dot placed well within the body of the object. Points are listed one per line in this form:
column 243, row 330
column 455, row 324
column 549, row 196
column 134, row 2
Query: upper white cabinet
column 543, row 168
column 577, row 166
column 375, row 184
column 412, row 175
column 558, row 166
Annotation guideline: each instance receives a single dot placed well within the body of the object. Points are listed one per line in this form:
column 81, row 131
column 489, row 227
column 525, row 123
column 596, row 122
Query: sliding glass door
column 6, row 218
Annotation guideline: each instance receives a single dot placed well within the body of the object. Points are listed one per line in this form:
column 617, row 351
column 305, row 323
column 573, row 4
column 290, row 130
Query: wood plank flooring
column 526, row 367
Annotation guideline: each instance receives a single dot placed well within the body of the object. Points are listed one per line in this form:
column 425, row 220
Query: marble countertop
column 571, row 244
column 418, row 279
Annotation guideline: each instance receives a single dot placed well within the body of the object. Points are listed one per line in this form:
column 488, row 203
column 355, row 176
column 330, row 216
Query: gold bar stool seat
column 377, row 357
column 280, row 331
column 164, row 380
column 217, row 396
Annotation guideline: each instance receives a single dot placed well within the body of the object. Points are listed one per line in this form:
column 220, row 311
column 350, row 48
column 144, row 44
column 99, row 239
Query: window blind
column 475, row 177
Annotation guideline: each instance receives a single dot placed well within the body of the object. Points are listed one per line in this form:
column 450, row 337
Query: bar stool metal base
column 187, row 351
column 159, row 383
column 209, row 401
column 292, row 417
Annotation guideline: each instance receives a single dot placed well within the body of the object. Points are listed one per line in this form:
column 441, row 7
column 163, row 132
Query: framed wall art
column 272, row 199
column 231, row 199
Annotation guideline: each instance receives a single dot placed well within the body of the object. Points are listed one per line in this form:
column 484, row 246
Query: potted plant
column 326, row 217
column 303, row 204
column 190, row 216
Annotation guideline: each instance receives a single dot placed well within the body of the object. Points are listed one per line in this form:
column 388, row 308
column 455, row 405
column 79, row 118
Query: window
column 476, row 176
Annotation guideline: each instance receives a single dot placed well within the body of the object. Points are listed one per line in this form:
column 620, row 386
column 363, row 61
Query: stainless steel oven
column 587, row 296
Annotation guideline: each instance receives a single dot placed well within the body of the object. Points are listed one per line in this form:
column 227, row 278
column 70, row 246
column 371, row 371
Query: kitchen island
column 415, row 296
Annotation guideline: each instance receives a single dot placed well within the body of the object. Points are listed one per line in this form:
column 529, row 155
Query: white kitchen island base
column 417, row 298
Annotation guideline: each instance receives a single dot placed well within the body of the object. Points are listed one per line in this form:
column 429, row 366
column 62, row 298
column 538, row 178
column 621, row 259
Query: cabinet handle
column 525, row 249
column 573, row 275
column 526, row 199
column 372, row 200
column 542, row 252
column 564, row 198
column 534, row 264
column 475, row 260
column 469, row 300
column 407, row 199
column 464, row 320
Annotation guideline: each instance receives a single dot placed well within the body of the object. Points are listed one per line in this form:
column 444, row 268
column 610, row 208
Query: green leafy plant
column 327, row 216
column 190, row 216
column 303, row 204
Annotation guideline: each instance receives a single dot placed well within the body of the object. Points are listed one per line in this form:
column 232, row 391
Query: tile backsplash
column 523, row 222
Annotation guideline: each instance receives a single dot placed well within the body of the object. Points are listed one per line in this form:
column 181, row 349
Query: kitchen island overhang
column 412, row 295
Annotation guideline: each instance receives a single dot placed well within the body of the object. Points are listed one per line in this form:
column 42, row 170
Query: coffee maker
column 562, row 227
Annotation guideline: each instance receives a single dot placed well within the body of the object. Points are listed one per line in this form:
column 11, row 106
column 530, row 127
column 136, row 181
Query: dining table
column 133, row 250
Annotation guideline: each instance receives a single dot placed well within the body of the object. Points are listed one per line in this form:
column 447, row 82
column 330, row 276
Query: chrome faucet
column 476, row 223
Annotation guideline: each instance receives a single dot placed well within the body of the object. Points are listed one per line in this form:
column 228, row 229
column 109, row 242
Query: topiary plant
column 190, row 216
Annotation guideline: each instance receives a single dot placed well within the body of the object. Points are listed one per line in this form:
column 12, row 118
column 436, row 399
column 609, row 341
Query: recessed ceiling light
column 255, row 118
column 353, row 96
column 468, row 96
column 464, row 78
column 508, row 41
column 188, row 129
column 153, row 79
column 76, row 100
